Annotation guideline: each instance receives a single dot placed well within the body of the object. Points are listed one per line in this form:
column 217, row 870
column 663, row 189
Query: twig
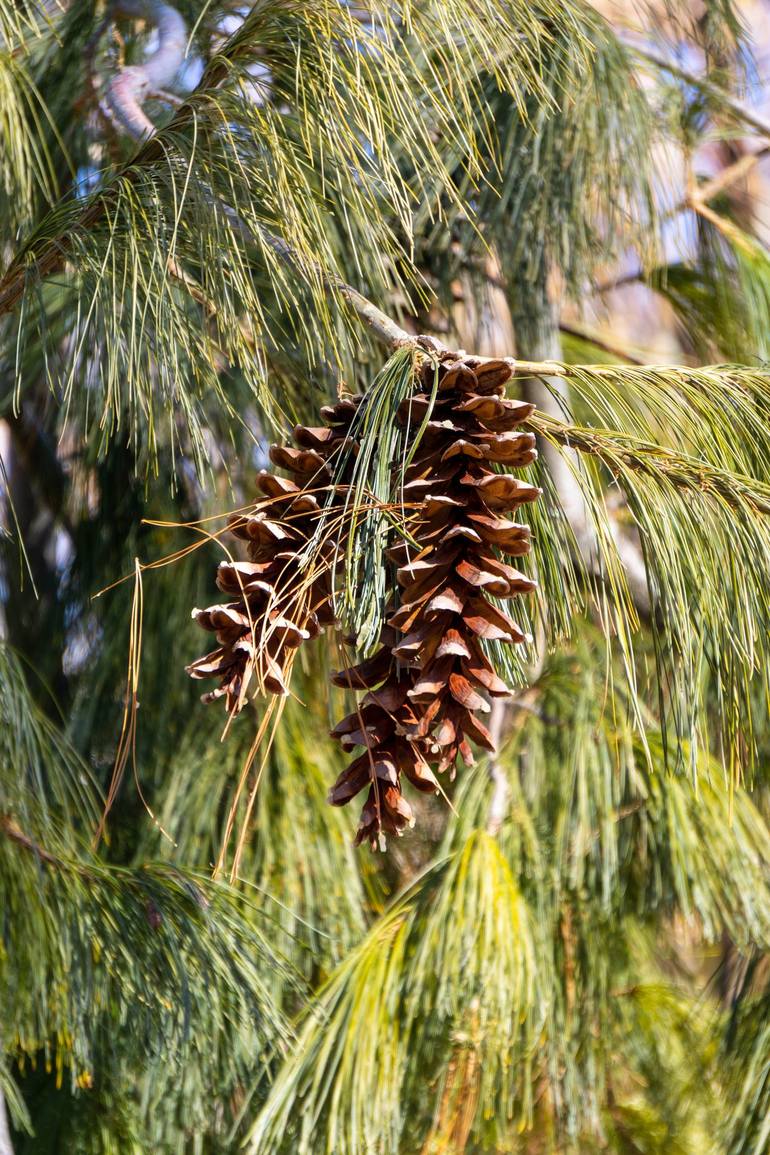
column 584, row 333
column 737, row 109
column 384, row 327
column 621, row 281
column 734, row 172
column 11, row 830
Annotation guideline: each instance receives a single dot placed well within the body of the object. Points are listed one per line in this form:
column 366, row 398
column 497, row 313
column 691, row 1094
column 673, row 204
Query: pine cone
column 282, row 595
column 385, row 724
column 427, row 690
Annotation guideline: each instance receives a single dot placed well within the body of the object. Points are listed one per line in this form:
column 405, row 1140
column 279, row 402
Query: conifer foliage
column 509, row 602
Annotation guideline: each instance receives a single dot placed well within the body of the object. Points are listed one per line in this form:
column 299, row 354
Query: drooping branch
column 127, row 90
column 125, row 94
column 599, row 340
column 55, row 252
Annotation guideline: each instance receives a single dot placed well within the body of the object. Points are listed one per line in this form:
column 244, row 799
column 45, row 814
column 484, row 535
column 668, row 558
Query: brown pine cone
column 445, row 611
column 385, row 724
column 282, row 595
column 426, row 689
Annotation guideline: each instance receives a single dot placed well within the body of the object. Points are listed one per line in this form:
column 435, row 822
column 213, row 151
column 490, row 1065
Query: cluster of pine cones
column 427, row 686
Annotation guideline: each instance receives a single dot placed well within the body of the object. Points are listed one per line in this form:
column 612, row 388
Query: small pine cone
column 430, row 680
column 281, row 596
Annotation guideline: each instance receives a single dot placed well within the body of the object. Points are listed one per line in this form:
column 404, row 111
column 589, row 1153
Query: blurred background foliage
column 213, row 967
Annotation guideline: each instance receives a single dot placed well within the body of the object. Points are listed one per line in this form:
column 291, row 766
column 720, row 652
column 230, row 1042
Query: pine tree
column 293, row 306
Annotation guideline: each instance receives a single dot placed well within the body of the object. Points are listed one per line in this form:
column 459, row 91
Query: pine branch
column 131, row 86
column 127, row 90
column 734, row 172
column 12, row 831
column 738, row 110
column 46, row 255
column 684, row 472
column 56, row 250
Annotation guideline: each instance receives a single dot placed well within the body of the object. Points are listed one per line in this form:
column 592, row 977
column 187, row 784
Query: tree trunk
column 6, row 1147
column 538, row 339
column 536, row 325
